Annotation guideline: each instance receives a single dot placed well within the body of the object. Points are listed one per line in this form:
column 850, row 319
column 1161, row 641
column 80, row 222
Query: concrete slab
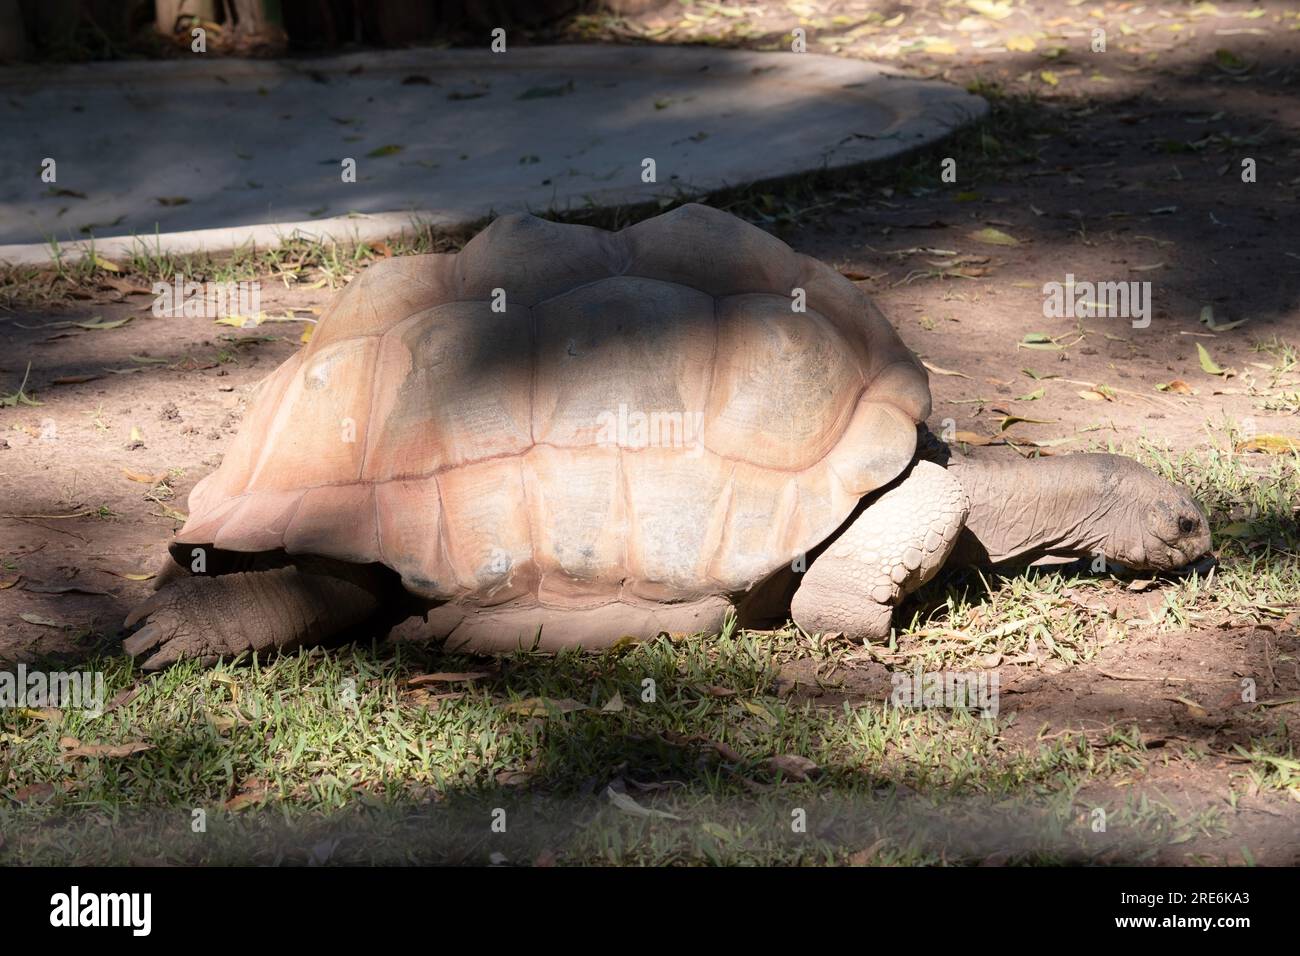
column 208, row 154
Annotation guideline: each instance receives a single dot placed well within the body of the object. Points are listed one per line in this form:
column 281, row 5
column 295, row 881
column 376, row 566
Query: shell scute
column 644, row 416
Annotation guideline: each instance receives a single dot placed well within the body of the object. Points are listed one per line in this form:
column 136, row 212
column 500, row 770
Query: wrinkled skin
column 951, row 511
column 1078, row 506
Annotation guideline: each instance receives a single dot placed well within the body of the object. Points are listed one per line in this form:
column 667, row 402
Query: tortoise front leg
column 275, row 610
column 898, row 543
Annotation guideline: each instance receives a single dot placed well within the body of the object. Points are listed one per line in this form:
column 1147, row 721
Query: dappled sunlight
column 1165, row 702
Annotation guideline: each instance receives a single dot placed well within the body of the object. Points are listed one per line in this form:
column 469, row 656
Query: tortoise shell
column 568, row 416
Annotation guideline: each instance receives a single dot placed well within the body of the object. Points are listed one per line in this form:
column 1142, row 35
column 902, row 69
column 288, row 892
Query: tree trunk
column 13, row 41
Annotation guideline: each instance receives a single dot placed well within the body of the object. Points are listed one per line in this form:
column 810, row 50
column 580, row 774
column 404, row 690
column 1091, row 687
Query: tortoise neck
column 1024, row 510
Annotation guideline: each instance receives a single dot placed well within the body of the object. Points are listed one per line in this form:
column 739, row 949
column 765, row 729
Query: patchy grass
column 294, row 262
column 694, row 750
column 324, row 736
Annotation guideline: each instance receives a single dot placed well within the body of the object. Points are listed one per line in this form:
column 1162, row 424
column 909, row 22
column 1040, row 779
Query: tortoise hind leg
column 281, row 609
column 898, row 543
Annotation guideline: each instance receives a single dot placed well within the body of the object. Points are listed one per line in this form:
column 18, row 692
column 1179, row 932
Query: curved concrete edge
column 925, row 123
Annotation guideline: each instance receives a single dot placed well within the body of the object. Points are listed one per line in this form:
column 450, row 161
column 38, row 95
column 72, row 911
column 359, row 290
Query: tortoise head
column 1150, row 523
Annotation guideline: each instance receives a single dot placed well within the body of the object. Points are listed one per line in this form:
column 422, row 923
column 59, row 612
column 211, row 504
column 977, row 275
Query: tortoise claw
column 170, row 654
column 141, row 611
column 143, row 640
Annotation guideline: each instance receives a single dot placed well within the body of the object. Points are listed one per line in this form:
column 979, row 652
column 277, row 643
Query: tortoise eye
column 1186, row 525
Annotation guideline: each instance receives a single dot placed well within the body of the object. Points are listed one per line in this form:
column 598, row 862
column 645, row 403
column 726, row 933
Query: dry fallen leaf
column 103, row 323
column 75, row 379
column 1041, row 340
column 125, row 286
column 628, row 805
column 1193, row 708
column 50, row 715
column 941, row 47
column 993, row 9
column 943, row 371
column 421, row 697
column 1008, row 420
column 242, row 801
column 107, row 750
column 760, row 711
column 1177, row 386
column 37, row 619
column 514, row 778
column 122, row 698
column 446, row 677
column 62, row 589
column 33, row 792
column 792, row 766
column 994, row 237
column 142, row 576
column 725, row 751
column 1240, row 530
column 1208, row 365
column 252, row 791
column 1207, row 319
column 542, row 706
column 242, row 321
column 1270, row 444
column 169, row 512
column 143, row 478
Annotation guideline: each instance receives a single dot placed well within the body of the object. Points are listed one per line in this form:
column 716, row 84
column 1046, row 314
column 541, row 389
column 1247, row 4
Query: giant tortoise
column 566, row 436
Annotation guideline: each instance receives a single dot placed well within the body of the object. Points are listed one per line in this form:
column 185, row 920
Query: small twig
column 78, row 514
column 1123, row 391
column 1172, row 680
column 44, row 528
column 1268, row 662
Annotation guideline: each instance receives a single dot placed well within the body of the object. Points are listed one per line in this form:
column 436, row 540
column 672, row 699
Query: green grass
column 332, row 755
column 337, row 741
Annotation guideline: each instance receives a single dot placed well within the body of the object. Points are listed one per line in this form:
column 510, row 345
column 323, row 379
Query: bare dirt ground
column 1127, row 167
